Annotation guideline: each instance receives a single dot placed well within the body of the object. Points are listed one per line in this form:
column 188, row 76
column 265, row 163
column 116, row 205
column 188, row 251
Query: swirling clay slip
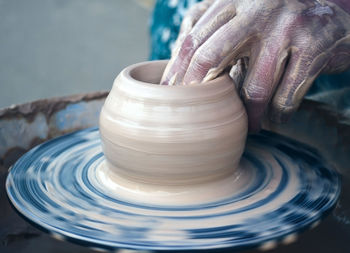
column 167, row 174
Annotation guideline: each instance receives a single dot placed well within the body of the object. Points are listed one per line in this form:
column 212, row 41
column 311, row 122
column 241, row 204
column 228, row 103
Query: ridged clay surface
column 171, row 135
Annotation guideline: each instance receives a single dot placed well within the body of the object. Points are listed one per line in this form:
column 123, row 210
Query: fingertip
column 255, row 111
column 281, row 113
column 165, row 82
column 255, row 116
column 253, row 127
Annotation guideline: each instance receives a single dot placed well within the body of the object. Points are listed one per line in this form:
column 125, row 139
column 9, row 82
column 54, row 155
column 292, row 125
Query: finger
column 222, row 49
column 190, row 19
column 238, row 72
column 216, row 16
column 303, row 68
column 267, row 65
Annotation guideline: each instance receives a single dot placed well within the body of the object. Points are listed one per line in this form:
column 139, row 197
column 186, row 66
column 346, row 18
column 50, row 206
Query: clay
column 171, row 135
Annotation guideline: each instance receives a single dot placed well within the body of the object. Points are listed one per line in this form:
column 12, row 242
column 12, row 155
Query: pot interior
column 149, row 72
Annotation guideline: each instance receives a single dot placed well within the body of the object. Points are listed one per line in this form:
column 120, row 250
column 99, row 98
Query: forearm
column 344, row 4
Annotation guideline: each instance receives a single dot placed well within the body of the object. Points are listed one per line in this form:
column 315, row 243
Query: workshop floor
column 59, row 47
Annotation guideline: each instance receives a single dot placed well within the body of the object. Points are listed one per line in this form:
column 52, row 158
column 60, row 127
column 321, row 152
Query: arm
column 282, row 45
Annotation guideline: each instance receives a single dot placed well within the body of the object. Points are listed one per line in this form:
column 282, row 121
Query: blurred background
column 52, row 48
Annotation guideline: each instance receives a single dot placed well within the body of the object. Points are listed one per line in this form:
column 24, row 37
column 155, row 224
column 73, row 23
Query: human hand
column 276, row 49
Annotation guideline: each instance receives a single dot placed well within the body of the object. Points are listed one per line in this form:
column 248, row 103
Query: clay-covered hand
column 277, row 49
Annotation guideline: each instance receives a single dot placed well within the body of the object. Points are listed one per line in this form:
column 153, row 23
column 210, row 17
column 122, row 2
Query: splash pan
column 281, row 188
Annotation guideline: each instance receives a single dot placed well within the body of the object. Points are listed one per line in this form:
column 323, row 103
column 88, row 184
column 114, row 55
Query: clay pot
column 171, row 135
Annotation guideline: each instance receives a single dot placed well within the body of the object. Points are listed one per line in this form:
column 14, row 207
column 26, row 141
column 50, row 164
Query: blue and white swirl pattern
column 288, row 189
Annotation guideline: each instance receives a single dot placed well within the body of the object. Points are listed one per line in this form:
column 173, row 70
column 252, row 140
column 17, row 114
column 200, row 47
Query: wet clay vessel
column 171, row 135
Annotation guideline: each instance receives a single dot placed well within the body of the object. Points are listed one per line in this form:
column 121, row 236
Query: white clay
column 171, row 135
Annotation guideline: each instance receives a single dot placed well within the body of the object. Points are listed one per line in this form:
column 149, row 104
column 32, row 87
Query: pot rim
column 127, row 73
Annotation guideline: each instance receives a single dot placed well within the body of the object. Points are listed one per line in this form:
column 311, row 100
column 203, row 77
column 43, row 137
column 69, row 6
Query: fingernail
column 212, row 73
column 172, row 80
column 194, row 82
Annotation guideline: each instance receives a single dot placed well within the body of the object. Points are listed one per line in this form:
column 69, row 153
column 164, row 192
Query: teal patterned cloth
column 165, row 23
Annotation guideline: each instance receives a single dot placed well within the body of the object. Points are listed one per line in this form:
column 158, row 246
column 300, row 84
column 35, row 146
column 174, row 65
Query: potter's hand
column 283, row 45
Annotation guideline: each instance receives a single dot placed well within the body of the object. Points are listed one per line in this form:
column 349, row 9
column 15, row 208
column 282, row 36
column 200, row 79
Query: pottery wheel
column 284, row 188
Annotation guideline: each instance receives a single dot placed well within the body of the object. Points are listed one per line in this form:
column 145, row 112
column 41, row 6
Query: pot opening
column 148, row 72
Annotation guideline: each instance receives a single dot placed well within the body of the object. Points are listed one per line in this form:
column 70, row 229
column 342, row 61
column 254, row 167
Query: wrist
column 344, row 4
